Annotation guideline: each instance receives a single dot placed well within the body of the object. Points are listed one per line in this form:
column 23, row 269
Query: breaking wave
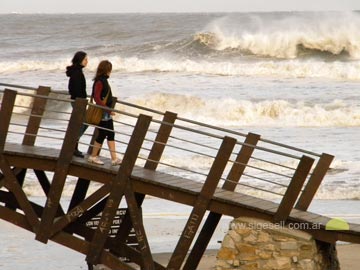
column 288, row 35
column 233, row 112
column 336, row 70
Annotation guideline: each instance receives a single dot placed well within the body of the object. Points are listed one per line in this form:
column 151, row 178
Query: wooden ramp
column 37, row 141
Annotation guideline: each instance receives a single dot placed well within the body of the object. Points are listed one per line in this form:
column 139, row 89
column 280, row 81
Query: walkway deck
column 139, row 176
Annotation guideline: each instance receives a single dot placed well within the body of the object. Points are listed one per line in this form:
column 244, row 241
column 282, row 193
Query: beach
column 20, row 251
column 163, row 223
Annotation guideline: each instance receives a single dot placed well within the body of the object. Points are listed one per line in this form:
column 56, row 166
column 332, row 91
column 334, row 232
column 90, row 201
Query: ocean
column 292, row 77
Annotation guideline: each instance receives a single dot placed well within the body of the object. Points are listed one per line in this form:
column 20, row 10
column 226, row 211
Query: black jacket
column 77, row 82
column 106, row 89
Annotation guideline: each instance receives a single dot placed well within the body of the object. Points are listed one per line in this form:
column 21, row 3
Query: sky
column 118, row 6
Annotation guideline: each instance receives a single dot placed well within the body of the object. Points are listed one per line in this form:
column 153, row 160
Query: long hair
column 78, row 58
column 103, row 69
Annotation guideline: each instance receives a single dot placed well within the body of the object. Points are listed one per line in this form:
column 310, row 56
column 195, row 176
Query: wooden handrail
column 213, row 218
column 314, row 182
column 37, row 112
column 5, row 115
column 61, row 171
column 201, row 203
column 119, row 187
column 294, row 189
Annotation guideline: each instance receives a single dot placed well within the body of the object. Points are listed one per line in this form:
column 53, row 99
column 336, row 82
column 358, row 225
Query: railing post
column 121, row 185
column 294, row 189
column 61, row 170
column 314, row 182
column 151, row 164
column 7, row 106
column 37, row 112
column 6, row 109
column 201, row 203
column 213, row 219
column 160, row 141
column 10, row 180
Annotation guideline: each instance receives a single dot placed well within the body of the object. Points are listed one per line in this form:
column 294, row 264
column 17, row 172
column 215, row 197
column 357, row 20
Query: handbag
column 94, row 114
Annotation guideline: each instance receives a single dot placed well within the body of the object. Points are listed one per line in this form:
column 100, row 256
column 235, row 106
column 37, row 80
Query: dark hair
column 103, row 69
column 78, row 58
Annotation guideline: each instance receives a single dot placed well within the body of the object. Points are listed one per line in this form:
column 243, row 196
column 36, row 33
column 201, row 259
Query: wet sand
column 348, row 254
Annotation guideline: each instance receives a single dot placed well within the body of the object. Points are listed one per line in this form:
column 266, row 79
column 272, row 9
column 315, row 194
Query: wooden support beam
column 201, row 203
column 60, row 174
column 94, row 211
column 81, row 208
column 294, row 189
column 10, row 180
column 80, row 191
column 12, row 184
column 314, row 182
column 7, row 106
column 43, row 180
column 19, row 173
column 123, row 250
column 37, row 112
column 118, row 187
column 213, row 218
column 152, row 162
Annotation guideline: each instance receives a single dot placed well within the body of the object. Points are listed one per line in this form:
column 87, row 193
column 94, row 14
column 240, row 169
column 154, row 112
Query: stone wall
column 256, row 244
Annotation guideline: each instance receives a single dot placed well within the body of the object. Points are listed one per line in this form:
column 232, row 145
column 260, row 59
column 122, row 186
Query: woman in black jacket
column 77, row 85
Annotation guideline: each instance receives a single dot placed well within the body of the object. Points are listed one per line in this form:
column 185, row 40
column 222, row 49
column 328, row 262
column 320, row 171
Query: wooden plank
column 294, row 188
column 196, row 187
column 37, row 112
column 237, row 197
column 31, row 151
column 61, row 170
column 7, row 106
column 315, row 180
column 118, row 188
column 201, row 203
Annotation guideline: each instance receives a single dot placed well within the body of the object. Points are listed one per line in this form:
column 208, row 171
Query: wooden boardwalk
column 25, row 153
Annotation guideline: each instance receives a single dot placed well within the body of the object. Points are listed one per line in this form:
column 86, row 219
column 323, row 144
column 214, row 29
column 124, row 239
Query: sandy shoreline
column 16, row 244
column 348, row 255
column 163, row 234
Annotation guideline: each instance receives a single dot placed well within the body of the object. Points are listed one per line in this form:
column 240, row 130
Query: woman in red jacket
column 103, row 97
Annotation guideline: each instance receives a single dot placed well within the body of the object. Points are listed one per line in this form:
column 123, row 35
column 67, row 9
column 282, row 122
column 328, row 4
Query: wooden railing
column 257, row 165
column 161, row 141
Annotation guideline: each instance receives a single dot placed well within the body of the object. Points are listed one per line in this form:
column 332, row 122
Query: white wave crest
column 289, row 69
column 336, row 70
column 233, row 112
column 281, row 37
